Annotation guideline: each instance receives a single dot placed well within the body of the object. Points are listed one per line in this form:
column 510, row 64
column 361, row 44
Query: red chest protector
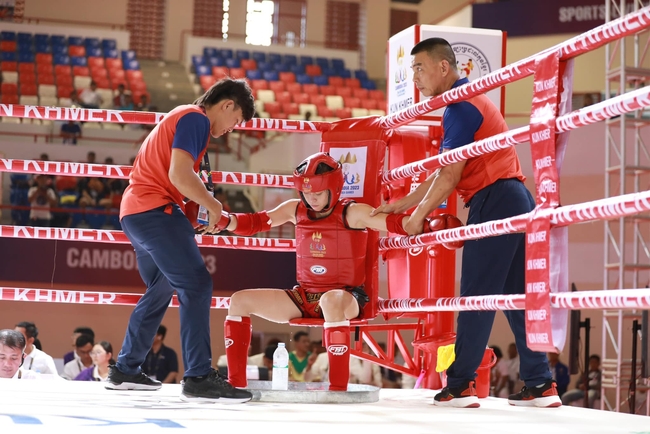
column 329, row 255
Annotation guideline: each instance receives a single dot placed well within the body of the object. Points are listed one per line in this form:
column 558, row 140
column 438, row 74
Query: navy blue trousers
column 169, row 260
column 495, row 265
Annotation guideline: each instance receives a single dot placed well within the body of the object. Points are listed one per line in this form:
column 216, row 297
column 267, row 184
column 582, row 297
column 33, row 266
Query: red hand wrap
column 395, row 224
column 224, row 221
column 441, row 222
column 250, row 224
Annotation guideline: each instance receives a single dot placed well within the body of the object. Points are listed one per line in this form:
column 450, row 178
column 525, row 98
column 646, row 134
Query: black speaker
column 645, row 348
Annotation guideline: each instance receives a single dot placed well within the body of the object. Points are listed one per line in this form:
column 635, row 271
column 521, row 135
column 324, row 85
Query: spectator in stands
column 119, row 100
column 161, row 363
column 74, row 99
column 12, row 353
column 41, row 197
column 560, row 372
column 68, row 357
column 307, row 116
column 90, row 98
column 70, row 132
column 594, row 377
column 299, row 357
column 95, row 193
column 35, row 359
column 144, row 104
column 102, row 357
column 91, row 157
column 83, row 346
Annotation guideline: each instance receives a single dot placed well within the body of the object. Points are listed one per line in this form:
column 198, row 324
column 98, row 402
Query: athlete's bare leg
column 270, row 304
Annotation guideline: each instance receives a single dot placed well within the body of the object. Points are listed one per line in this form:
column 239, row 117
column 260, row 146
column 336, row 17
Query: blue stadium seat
column 203, row 70
column 303, row 79
column 75, row 40
column 114, row 220
column 8, row 56
column 216, row 61
column 281, row 67
column 110, row 53
column 297, row 69
column 132, row 65
column 264, row 66
column 128, row 55
column 42, row 38
column 306, row 60
column 338, row 64
column 368, row 84
column 25, row 38
column 329, row 72
column 360, row 74
column 95, row 52
column 26, row 57
column 92, row 43
column 254, row 74
column 25, row 47
column 323, row 62
column 232, row 63
column 275, row 58
column 7, row 36
column 42, row 47
column 271, row 76
column 226, row 53
column 259, row 56
column 95, row 221
column 197, row 60
column 242, row 54
column 321, row 80
column 345, row 73
column 290, row 59
column 58, row 40
column 109, row 44
column 210, row 52
column 61, row 59
column 78, row 61
column 61, row 50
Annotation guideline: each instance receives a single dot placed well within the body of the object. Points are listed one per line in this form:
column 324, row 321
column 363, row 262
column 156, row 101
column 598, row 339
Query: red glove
column 441, row 222
column 224, row 221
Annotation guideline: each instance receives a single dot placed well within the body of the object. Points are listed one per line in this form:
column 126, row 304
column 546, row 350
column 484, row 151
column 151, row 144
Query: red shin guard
column 337, row 342
column 238, row 337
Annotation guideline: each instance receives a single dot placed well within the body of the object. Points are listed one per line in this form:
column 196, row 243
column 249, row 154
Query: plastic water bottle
column 280, row 368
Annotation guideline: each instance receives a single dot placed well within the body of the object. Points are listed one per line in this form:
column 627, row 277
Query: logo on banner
column 401, row 72
column 316, row 248
column 353, row 161
column 471, row 62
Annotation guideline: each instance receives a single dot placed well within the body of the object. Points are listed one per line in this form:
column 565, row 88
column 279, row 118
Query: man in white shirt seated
column 12, row 354
column 83, row 346
column 35, row 359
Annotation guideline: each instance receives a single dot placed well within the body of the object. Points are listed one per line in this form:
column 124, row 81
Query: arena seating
column 44, row 69
column 288, row 86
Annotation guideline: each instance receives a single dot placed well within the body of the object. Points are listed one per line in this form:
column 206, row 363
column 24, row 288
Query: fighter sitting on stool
column 331, row 241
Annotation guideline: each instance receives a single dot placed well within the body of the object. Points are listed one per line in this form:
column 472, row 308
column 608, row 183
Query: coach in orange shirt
column 153, row 217
column 492, row 187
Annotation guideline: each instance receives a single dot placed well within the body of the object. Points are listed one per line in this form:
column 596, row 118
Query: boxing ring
column 30, row 406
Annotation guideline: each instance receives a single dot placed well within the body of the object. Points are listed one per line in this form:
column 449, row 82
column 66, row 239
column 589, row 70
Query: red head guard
column 305, row 179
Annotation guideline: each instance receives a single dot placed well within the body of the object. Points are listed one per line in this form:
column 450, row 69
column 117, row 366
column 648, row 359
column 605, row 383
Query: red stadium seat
column 312, row 70
column 318, row 99
column 64, row 91
column 290, row 108
column 352, row 82
column 26, row 67
column 237, row 72
column 294, row 88
column 277, row 86
column 27, row 78
column 28, row 89
column 344, row 113
column 370, row 104
column 44, row 69
column 351, row 102
column 259, row 84
column 76, row 51
column 377, row 95
column 207, row 81
column 8, row 46
column 283, row 97
column 336, row 81
column 344, row 91
column 116, row 74
column 64, row 80
column 310, row 89
column 287, row 77
column 328, row 90
column 9, row 89
column 98, row 73
column 301, row 98
column 248, row 64
column 45, row 79
column 102, row 83
column 62, row 70
column 116, row 83
column 9, row 99
column 323, row 111
column 9, row 66
column 272, row 108
column 140, row 86
column 360, row 93
column 44, row 58
column 134, row 75
column 114, row 64
column 220, row 72
column 95, row 62
column 81, row 71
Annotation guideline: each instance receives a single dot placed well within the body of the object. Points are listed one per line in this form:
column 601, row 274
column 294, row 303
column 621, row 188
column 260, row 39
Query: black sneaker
column 117, row 380
column 463, row 397
column 213, row 387
column 544, row 395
